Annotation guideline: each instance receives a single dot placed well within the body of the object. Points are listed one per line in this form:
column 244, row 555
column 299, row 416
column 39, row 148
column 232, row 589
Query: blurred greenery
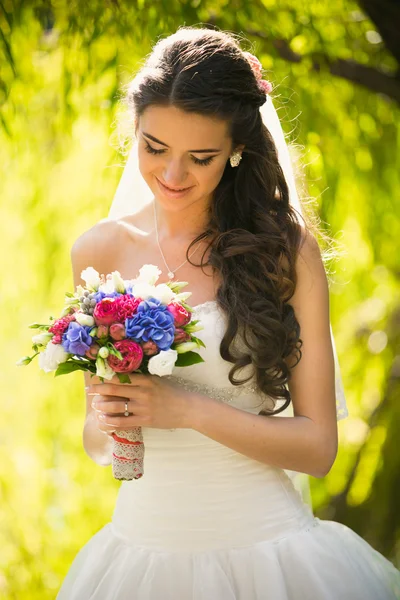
column 61, row 68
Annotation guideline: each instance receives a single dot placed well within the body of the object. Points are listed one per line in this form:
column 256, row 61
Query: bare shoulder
column 96, row 247
column 310, row 270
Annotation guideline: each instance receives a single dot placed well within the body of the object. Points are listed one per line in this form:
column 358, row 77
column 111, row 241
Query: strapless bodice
column 197, row 493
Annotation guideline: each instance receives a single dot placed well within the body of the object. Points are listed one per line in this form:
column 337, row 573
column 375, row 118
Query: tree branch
column 372, row 78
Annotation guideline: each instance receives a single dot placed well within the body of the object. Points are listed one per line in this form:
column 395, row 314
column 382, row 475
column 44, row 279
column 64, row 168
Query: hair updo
column 253, row 233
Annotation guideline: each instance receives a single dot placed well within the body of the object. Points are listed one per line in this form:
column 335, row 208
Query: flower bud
column 102, row 331
column 181, row 336
column 149, row 348
column 93, row 351
column 42, row 339
column 25, row 360
column 186, row 347
column 104, row 352
column 84, row 319
column 117, row 331
column 118, row 282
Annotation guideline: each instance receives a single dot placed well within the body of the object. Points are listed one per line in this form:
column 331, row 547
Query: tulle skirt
column 324, row 560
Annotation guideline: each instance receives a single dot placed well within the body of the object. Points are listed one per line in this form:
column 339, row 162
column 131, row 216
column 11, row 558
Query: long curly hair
column 253, row 234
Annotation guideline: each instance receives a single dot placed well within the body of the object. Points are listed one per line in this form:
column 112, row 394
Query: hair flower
column 256, row 66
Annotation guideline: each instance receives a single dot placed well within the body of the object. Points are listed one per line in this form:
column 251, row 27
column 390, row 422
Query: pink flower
column 117, row 331
column 181, row 336
column 149, row 348
column 265, row 85
column 126, row 307
column 132, row 356
column 254, row 63
column 93, row 351
column 256, row 66
column 106, row 311
column 60, row 326
column 180, row 314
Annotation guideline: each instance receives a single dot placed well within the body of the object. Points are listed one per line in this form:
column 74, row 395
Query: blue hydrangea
column 98, row 296
column 152, row 322
column 76, row 340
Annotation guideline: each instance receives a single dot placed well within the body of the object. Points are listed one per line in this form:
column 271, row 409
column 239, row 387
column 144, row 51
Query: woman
column 216, row 515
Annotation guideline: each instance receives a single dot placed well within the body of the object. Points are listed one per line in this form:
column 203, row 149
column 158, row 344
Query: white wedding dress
column 207, row 523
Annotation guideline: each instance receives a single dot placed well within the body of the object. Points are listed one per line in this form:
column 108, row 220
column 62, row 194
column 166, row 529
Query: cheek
column 147, row 162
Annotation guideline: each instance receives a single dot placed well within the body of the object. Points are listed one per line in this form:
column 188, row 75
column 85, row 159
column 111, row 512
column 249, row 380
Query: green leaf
column 198, row 341
column 123, row 377
column 69, row 294
column 188, row 358
column 189, row 308
column 69, row 367
column 112, row 349
column 39, row 326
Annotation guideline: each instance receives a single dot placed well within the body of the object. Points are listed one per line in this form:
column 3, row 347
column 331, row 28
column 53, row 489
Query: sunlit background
column 62, row 65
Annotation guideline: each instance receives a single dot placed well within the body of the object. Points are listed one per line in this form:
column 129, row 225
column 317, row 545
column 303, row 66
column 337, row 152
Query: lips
column 174, row 189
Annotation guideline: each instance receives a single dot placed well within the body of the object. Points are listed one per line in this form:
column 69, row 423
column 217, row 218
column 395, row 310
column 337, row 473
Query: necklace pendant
column 171, row 275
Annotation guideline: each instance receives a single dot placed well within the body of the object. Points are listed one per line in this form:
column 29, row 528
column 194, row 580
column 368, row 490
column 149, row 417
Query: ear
column 239, row 148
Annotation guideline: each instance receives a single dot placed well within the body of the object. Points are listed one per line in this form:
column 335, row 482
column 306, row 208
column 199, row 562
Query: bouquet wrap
column 128, row 454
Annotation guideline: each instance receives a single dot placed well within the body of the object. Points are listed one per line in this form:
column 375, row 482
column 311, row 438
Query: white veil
column 133, row 194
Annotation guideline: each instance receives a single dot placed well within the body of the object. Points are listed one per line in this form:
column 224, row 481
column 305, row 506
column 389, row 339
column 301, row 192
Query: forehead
column 178, row 128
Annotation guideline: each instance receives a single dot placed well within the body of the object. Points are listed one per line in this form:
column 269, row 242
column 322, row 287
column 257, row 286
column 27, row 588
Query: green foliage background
column 61, row 69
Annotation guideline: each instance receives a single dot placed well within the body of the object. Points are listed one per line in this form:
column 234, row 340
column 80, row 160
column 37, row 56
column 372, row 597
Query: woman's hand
column 152, row 400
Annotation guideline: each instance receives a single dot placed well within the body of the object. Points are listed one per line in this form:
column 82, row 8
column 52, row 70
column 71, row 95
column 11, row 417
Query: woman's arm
column 306, row 442
column 91, row 249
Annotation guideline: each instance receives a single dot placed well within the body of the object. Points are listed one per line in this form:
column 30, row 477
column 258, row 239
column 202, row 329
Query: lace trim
column 223, row 394
column 227, row 396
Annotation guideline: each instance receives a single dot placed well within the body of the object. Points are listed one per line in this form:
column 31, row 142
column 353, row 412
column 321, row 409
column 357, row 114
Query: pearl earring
column 235, row 159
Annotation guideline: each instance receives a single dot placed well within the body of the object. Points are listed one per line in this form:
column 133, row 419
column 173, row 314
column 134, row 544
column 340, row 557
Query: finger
column 112, row 407
column 118, row 422
column 119, row 389
column 123, row 390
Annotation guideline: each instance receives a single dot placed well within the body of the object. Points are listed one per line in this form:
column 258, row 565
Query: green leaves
column 188, row 358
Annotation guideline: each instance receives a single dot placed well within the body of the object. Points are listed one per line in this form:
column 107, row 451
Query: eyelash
column 204, row 162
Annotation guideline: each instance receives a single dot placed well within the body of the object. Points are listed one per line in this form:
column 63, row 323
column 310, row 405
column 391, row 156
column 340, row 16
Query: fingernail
column 102, row 417
column 94, row 404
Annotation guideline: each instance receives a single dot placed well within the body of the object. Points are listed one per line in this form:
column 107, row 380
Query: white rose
column 118, row 282
column 42, row 339
column 143, row 290
column 103, row 369
column 92, row 278
column 84, row 319
column 163, row 363
column 148, row 274
column 53, row 355
column 163, row 293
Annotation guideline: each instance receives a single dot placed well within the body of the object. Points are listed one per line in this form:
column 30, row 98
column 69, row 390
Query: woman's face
column 181, row 150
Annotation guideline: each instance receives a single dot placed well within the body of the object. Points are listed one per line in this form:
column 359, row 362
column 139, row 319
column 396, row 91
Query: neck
column 180, row 225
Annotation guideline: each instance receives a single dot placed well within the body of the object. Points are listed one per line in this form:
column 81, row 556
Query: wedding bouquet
column 114, row 327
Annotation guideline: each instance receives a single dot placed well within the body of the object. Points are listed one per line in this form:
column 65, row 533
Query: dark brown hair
column 254, row 233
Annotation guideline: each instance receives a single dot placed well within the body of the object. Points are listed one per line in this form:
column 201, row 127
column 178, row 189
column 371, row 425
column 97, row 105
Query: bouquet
column 116, row 327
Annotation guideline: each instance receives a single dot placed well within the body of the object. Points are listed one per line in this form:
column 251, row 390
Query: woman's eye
column 203, row 161
column 197, row 161
column 153, row 150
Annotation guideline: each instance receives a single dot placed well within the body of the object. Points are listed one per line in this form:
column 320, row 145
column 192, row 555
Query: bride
column 208, row 195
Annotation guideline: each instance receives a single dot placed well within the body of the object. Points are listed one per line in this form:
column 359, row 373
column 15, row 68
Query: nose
column 175, row 174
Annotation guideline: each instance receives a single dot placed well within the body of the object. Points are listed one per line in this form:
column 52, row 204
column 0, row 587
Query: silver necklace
column 171, row 272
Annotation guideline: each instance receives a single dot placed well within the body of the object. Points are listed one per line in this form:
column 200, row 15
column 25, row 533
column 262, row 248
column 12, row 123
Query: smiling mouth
column 174, row 189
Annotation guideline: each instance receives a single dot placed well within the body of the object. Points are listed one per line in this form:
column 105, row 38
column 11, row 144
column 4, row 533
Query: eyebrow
column 204, row 150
